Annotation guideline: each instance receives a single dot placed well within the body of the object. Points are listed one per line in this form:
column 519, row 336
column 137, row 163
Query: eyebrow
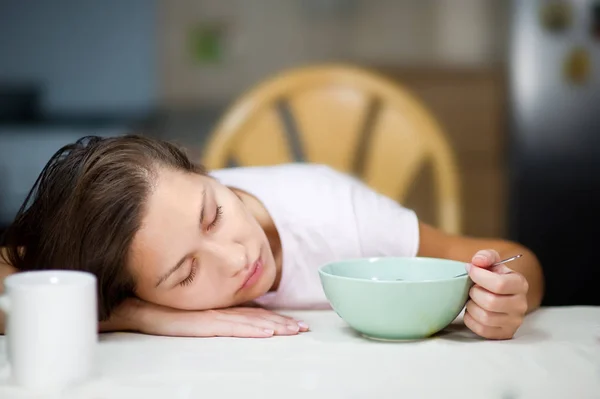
column 202, row 207
column 182, row 260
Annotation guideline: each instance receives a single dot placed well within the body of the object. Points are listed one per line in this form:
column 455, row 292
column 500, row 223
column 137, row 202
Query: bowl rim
column 376, row 258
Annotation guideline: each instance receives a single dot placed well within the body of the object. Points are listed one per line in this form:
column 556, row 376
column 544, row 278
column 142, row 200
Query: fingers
column 278, row 328
column 303, row 326
column 498, row 298
column 281, row 325
column 510, row 304
column 230, row 328
column 501, row 269
column 230, row 322
column 485, row 258
column 291, row 323
column 282, row 319
column 503, row 284
column 486, row 317
column 271, row 315
column 486, row 331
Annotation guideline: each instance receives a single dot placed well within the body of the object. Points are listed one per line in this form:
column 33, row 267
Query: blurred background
column 514, row 85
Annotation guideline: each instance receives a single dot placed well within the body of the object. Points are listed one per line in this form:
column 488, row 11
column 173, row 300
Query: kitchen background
column 514, row 84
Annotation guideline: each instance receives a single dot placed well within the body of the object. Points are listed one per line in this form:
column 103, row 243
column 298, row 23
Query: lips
column 253, row 274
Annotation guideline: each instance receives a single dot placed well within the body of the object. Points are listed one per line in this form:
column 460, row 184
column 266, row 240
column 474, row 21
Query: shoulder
column 313, row 193
column 293, row 174
column 288, row 168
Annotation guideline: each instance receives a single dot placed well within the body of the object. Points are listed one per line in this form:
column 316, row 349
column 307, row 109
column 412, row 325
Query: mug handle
column 5, row 303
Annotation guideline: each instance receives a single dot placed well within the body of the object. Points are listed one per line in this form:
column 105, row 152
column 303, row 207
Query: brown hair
column 85, row 208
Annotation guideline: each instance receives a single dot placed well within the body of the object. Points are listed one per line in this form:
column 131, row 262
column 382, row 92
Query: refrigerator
column 554, row 161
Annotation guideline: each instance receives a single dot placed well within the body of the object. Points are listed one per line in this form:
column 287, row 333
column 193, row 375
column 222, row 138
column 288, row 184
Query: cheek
column 194, row 297
column 149, row 295
column 208, row 291
column 239, row 216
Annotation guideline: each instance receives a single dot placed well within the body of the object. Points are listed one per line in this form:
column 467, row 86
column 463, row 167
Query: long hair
column 86, row 207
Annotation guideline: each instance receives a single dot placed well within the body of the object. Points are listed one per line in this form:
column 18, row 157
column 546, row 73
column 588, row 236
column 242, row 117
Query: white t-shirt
column 322, row 215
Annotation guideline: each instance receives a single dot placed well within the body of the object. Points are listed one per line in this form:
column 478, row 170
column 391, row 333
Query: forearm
column 131, row 315
column 5, row 271
column 124, row 318
column 463, row 249
column 112, row 324
column 120, row 321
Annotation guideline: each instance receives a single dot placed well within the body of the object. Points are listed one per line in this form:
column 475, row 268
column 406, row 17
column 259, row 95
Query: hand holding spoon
column 496, row 264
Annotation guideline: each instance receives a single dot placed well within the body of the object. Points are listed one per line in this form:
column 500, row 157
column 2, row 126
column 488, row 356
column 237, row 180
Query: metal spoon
column 495, row 264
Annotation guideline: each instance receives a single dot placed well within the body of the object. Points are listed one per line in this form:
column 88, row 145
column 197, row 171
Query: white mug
column 51, row 327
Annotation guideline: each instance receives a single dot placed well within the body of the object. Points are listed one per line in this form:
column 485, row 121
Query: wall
column 90, row 56
column 262, row 37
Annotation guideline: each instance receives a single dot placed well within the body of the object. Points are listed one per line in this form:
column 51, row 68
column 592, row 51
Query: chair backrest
column 351, row 119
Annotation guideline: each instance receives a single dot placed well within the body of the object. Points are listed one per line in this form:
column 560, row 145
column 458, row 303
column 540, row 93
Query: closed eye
column 218, row 216
column 190, row 278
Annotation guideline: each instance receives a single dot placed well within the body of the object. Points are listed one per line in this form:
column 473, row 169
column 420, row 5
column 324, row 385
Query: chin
column 263, row 286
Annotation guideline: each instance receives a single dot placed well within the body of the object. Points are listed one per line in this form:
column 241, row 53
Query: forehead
column 174, row 194
column 171, row 217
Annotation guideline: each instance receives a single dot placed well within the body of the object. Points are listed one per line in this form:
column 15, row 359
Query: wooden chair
column 349, row 118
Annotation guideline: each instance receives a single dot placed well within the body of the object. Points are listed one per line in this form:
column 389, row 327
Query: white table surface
column 556, row 354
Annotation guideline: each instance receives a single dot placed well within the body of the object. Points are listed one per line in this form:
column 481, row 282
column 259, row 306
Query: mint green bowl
column 367, row 294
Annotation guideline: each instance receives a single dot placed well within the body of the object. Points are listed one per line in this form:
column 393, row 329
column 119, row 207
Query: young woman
column 178, row 251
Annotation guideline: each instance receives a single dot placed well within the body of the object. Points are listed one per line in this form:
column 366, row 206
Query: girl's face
column 199, row 247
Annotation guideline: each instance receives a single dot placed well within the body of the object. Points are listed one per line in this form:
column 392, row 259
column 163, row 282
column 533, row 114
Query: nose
column 234, row 258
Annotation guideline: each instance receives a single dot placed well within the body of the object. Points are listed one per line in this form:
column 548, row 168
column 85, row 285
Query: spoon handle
column 496, row 264
column 508, row 260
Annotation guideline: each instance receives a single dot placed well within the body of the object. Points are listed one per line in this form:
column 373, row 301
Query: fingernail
column 293, row 327
column 303, row 324
column 468, row 267
column 270, row 332
column 481, row 257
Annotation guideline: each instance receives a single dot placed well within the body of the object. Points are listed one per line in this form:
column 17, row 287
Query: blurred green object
column 577, row 66
column 556, row 16
column 206, row 42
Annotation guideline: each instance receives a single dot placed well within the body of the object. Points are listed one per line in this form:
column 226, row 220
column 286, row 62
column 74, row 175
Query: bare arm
column 5, row 271
column 119, row 322
column 115, row 324
column 139, row 316
column 435, row 243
